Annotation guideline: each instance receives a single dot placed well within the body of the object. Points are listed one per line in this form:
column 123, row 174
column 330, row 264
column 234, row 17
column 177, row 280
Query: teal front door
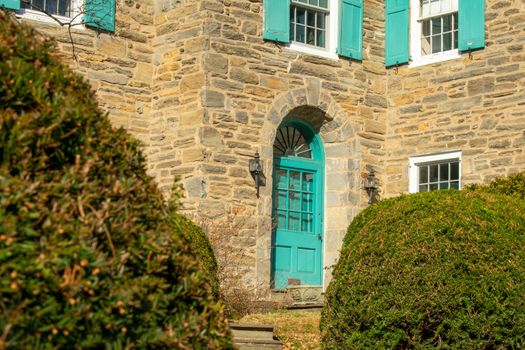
column 297, row 208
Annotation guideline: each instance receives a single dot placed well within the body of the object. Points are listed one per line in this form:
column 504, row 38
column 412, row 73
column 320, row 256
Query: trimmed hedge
column 513, row 185
column 197, row 239
column 89, row 257
column 443, row 270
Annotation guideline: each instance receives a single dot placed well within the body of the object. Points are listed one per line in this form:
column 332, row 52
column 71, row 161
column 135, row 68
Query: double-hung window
column 93, row 13
column 428, row 31
column 308, row 19
column 64, row 8
column 434, row 34
column 435, row 172
column 320, row 27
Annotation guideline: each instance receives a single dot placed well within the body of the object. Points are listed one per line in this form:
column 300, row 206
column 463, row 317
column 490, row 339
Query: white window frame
column 35, row 15
column 330, row 51
column 416, row 161
column 417, row 59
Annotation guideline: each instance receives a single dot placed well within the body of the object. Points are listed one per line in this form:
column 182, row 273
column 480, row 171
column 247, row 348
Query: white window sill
column 312, row 51
column 42, row 17
column 418, row 61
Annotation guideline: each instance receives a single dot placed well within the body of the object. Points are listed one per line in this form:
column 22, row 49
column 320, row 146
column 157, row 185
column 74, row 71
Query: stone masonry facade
column 195, row 82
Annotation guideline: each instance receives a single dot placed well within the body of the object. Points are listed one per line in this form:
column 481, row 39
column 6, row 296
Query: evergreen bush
column 442, row 270
column 513, row 185
column 197, row 239
column 89, row 257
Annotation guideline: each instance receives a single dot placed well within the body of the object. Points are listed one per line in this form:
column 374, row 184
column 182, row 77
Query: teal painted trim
column 10, row 4
column 351, row 29
column 471, row 25
column 309, row 132
column 396, row 36
column 100, row 14
column 276, row 20
column 286, row 237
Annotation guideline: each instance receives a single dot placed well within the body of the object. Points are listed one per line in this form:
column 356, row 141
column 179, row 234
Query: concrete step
column 254, row 336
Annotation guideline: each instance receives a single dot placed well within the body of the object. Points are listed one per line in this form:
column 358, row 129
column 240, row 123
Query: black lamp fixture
column 256, row 169
column 371, row 185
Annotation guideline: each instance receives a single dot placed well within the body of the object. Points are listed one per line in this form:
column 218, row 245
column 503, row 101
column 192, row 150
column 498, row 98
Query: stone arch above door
column 338, row 131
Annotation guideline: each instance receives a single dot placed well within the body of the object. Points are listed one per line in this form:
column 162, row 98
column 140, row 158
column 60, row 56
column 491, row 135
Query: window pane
column 454, row 171
column 447, row 23
column 299, row 33
column 454, row 185
column 436, row 43
column 426, row 28
column 423, row 188
column 455, row 21
column 320, row 38
column 295, row 180
column 63, row 8
column 310, row 36
column 425, row 46
column 321, row 20
column 443, row 185
column 323, row 3
column 280, row 199
column 433, row 173
column 443, row 172
column 313, row 2
column 295, row 200
column 447, row 42
column 307, row 223
column 433, row 187
column 436, row 25
column 310, row 18
column 300, row 15
column 294, row 221
column 308, row 182
column 292, row 36
column 455, row 39
column 51, row 6
column 281, row 219
column 281, row 178
column 423, row 174
column 308, row 203
column 37, row 5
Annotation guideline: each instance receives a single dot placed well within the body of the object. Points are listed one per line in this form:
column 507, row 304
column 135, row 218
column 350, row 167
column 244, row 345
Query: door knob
column 319, row 237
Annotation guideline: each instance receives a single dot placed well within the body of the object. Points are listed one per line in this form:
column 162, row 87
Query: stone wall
column 250, row 87
column 197, row 84
column 118, row 66
column 473, row 104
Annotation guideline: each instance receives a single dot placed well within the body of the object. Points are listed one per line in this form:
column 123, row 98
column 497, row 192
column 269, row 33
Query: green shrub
column 88, row 254
column 196, row 238
column 513, row 185
column 433, row 270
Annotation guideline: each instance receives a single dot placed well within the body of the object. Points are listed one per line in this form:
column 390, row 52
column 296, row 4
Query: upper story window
column 430, row 31
column 434, row 30
column 328, row 28
column 40, row 9
column 435, row 172
column 308, row 19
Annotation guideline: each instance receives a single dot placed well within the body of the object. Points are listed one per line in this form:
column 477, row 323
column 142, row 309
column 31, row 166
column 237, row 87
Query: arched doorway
column 297, row 206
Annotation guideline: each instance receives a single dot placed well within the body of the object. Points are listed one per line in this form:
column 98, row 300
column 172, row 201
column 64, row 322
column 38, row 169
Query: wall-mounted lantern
column 256, row 169
column 371, row 185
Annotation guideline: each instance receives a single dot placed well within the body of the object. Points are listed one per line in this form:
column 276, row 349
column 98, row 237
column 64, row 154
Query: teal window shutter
column 396, row 47
column 471, row 24
column 10, row 4
column 277, row 20
column 100, row 14
column 351, row 29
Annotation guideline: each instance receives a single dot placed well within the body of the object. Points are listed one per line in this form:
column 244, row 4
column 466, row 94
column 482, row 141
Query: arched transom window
column 289, row 141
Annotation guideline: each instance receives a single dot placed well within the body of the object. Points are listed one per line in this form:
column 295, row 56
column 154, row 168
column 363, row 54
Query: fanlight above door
column 289, row 141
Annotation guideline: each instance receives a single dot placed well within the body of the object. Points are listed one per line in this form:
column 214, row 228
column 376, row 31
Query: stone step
column 254, row 336
column 254, row 344
column 252, row 331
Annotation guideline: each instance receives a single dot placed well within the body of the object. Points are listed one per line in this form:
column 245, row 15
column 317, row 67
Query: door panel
column 297, row 236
